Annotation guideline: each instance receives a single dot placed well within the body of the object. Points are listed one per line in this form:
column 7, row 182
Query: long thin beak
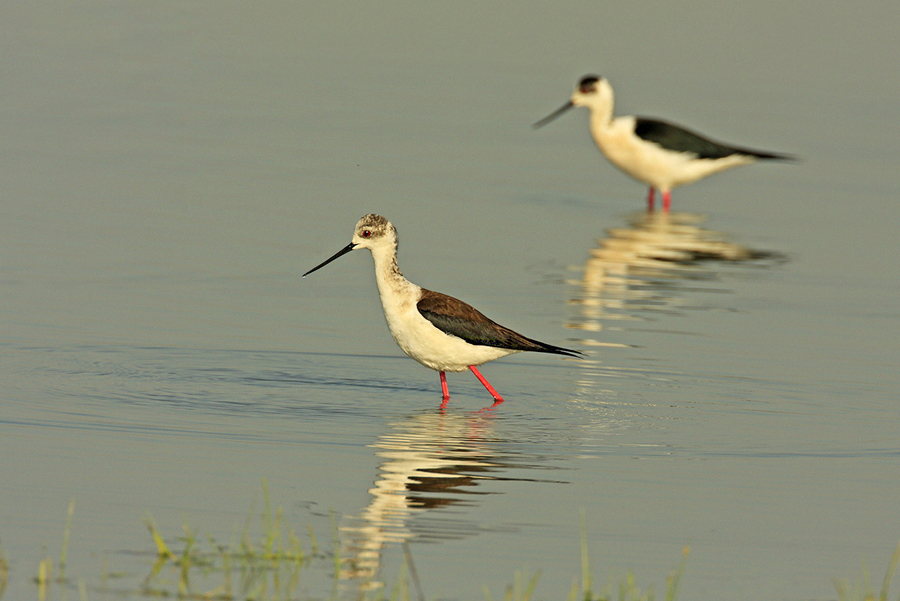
column 339, row 253
column 553, row 115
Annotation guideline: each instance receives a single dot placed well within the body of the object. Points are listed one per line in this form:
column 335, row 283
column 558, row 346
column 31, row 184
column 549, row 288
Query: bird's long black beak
column 339, row 253
column 553, row 115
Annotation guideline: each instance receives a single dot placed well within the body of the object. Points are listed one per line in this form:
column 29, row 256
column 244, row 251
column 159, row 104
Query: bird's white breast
column 419, row 338
column 649, row 162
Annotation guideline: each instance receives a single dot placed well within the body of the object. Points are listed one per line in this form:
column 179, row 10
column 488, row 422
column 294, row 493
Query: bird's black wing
column 676, row 138
column 459, row 319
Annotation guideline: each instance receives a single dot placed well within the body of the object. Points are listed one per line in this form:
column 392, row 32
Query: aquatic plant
column 269, row 567
column 862, row 591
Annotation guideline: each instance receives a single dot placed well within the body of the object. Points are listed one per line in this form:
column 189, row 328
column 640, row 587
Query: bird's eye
column 367, row 234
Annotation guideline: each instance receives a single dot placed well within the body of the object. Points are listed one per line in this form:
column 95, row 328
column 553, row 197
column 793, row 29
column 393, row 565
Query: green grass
column 269, row 565
column 44, row 578
column 520, row 590
column 4, row 573
column 862, row 590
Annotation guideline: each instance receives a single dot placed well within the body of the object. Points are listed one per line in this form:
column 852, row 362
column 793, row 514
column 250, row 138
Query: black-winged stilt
column 439, row 331
column 658, row 153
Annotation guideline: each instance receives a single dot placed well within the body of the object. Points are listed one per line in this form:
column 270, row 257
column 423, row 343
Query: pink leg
column 497, row 398
column 667, row 200
column 444, row 390
column 650, row 200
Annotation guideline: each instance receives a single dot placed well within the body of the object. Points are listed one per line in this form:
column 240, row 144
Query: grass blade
column 65, row 544
column 892, row 566
column 162, row 550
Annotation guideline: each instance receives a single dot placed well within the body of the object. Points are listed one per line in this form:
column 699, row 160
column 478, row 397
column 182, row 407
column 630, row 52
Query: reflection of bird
column 653, row 265
column 438, row 331
column 660, row 154
column 428, row 460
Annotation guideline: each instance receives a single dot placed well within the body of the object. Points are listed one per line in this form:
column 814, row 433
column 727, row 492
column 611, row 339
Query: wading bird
column 439, row 331
column 660, row 154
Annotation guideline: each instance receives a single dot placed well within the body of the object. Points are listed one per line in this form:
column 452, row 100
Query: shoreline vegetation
column 270, row 567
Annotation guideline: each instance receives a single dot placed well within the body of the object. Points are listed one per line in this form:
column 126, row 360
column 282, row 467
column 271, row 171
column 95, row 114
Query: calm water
column 169, row 171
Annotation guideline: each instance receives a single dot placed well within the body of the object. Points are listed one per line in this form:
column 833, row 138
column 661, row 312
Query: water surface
column 169, row 171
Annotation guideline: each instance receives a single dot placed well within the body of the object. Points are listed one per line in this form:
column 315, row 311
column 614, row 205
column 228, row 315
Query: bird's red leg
column 497, row 398
column 667, row 200
column 444, row 390
column 650, row 200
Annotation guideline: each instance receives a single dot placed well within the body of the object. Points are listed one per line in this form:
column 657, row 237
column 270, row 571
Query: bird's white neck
column 601, row 105
column 392, row 286
column 398, row 295
column 602, row 111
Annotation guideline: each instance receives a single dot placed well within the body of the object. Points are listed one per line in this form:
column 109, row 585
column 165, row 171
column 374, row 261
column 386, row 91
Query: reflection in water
column 643, row 266
column 654, row 265
column 430, row 460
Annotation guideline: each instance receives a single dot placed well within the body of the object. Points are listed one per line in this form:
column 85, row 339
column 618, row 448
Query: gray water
column 170, row 169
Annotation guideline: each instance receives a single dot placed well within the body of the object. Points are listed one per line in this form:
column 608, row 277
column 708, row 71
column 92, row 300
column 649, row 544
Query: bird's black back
column 460, row 319
column 676, row 138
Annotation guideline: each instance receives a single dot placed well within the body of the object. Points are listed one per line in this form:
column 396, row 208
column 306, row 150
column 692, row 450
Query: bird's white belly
column 419, row 338
column 643, row 161
column 656, row 166
column 431, row 347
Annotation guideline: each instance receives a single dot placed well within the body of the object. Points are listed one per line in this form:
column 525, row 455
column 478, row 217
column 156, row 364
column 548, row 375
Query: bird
column 660, row 154
column 440, row 332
